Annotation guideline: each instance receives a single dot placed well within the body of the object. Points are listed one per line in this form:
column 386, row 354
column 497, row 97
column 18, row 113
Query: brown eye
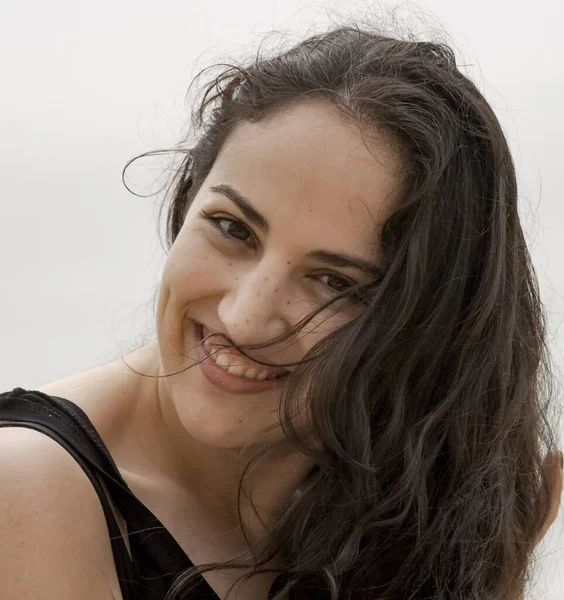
column 337, row 283
column 233, row 229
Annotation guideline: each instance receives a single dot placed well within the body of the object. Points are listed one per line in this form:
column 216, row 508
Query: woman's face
column 288, row 216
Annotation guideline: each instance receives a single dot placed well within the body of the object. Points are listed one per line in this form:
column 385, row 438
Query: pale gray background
column 86, row 85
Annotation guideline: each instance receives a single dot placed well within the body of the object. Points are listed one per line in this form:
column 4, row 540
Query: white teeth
column 250, row 373
column 222, row 360
column 236, row 370
column 255, row 374
column 232, row 364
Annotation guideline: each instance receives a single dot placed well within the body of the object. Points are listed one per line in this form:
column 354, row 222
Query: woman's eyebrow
column 242, row 203
column 329, row 257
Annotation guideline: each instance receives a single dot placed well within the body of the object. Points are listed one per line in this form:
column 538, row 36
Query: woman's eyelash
column 348, row 282
column 216, row 221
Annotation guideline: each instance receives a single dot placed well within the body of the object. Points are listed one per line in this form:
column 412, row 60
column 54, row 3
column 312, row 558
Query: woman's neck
column 155, row 443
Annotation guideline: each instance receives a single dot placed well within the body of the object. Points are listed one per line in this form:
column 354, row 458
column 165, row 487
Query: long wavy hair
column 429, row 410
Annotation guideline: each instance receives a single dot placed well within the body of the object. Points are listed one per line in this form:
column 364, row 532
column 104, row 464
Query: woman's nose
column 253, row 309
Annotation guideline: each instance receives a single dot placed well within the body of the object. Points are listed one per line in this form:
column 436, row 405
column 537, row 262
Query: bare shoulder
column 54, row 540
column 82, row 387
column 105, row 393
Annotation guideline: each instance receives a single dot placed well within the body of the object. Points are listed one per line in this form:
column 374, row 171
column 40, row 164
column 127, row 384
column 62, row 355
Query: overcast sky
column 87, row 85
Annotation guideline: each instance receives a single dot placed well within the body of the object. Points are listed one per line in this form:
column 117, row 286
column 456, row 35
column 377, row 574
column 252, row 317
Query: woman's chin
column 223, row 420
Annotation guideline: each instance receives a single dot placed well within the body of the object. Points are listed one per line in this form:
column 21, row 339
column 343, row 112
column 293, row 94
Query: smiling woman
column 348, row 394
column 286, row 220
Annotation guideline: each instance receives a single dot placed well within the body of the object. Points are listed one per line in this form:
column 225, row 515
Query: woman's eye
column 232, row 229
column 337, row 283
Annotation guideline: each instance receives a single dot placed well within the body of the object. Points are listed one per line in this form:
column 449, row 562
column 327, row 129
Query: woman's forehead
column 308, row 162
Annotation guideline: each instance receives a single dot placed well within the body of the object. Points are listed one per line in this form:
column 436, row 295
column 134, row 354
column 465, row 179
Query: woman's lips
column 220, row 341
column 232, row 383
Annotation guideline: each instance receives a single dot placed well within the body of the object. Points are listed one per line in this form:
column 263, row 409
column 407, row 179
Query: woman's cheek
column 190, row 260
column 323, row 325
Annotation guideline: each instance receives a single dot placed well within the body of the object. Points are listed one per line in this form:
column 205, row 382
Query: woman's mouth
column 230, row 370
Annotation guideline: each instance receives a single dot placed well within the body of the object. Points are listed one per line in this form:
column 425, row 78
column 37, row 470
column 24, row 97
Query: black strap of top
column 161, row 557
column 119, row 549
column 66, row 423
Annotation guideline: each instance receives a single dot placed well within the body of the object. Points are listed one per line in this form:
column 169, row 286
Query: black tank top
column 156, row 557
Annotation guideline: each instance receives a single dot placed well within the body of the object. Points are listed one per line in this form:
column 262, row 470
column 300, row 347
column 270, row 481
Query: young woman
column 347, row 394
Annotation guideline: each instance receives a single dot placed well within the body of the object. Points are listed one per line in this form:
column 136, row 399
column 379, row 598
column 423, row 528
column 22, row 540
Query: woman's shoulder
column 89, row 389
column 37, row 474
column 31, row 461
column 104, row 393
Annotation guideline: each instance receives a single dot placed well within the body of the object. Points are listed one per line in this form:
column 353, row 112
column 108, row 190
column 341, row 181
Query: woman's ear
column 553, row 468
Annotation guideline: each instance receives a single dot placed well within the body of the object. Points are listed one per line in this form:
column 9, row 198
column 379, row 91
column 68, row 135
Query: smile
column 230, row 370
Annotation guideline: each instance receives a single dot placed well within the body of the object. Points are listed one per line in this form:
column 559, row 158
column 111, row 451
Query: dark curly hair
column 429, row 409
